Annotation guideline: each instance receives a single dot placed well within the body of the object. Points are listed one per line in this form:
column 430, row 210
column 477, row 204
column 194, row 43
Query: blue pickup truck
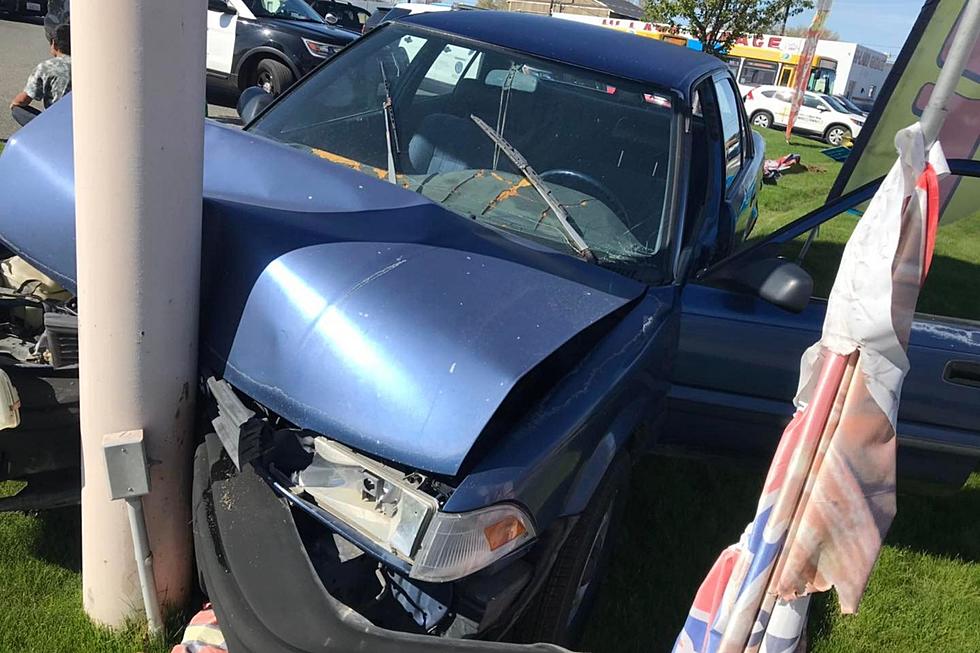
column 454, row 283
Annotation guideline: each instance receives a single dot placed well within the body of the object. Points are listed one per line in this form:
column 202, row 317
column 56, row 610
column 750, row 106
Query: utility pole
column 782, row 31
column 138, row 103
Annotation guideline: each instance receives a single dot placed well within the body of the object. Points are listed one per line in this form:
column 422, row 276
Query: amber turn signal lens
column 505, row 530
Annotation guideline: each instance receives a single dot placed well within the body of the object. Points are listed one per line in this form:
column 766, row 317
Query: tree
column 827, row 34
column 719, row 23
column 500, row 5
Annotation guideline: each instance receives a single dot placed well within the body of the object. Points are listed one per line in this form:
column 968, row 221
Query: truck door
column 738, row 359
column 810, row 118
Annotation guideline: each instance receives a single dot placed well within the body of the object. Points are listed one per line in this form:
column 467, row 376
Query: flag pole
column 960, row 51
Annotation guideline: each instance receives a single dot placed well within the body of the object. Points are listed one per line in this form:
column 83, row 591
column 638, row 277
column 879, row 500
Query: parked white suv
column 820, row 114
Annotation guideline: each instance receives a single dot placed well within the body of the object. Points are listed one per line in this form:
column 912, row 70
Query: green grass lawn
column 924, row 594
column 41, row 589
column 794, row 193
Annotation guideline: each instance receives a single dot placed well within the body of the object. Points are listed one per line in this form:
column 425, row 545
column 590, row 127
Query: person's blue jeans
column 24, row 115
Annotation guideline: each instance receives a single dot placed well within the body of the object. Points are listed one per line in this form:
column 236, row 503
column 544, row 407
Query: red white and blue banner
column 829, row 497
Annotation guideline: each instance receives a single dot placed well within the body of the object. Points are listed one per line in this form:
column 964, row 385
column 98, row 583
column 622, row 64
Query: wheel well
column 247, row 69
column 836, row 124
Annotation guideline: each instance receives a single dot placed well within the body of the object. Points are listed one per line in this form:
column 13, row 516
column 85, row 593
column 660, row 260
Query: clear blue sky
column 879, row 24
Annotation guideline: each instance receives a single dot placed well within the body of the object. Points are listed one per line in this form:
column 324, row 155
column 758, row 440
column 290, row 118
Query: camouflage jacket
column 50, row 80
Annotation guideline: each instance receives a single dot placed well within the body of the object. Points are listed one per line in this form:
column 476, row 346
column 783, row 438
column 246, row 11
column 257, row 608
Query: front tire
column 559, row 612
column 837, row 134
column 273, row 76
column 761, row 119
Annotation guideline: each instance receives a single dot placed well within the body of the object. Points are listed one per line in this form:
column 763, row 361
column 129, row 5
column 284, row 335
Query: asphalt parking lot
column 22, row 47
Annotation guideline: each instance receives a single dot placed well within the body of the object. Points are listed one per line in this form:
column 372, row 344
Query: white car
column 768, row 106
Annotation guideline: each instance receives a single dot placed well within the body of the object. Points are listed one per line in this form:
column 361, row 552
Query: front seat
column 447, row 143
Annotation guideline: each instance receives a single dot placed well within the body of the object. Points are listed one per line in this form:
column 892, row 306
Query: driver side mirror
column 222, row 6
column 330, row 19
column 251, row 103
column 779, row 281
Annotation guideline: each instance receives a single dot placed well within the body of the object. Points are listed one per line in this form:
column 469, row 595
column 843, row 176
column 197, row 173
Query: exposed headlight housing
column 392, row 511
column 322, row 50
column 457, row 544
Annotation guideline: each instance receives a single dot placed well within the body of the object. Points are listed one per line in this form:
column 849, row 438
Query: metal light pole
column 934, row 115
column 138, row 79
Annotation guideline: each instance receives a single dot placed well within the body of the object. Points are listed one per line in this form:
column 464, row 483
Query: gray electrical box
column 125, row 462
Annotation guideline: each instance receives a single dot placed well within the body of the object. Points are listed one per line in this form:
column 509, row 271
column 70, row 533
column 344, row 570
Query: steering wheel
column 590, row 186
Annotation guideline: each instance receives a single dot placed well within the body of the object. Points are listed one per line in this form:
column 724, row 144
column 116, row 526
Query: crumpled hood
column 350, row 306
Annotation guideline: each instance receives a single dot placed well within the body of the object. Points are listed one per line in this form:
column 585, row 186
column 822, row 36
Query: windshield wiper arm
column 573, row 237
column 391, row 133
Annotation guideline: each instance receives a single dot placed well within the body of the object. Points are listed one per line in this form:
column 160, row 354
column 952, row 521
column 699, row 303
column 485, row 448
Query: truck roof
column 602, row 50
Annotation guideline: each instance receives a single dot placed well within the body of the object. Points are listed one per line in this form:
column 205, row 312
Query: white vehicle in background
column 823, row 115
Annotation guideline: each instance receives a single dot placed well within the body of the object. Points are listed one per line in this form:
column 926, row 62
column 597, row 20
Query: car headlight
column 858, row 121
column 322, row 50
column 457, row 544
column 392, row 511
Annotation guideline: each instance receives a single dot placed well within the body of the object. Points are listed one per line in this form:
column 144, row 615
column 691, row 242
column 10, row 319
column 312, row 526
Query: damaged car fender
column 556, row 455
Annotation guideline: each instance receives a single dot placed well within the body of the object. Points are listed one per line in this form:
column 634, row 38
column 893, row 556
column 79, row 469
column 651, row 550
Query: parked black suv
column 268, row 43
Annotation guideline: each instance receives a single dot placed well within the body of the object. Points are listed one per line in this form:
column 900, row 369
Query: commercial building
column 839, row 67
column 615, row 9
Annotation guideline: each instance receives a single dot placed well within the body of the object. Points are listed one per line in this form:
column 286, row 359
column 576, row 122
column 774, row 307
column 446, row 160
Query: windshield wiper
column 573, row 237
column 391, row 133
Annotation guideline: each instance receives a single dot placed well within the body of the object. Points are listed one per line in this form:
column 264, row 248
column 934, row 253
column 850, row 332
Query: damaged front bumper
column 267, row 592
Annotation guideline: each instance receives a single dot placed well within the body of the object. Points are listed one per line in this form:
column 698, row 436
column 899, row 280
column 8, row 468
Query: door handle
column 962, row 373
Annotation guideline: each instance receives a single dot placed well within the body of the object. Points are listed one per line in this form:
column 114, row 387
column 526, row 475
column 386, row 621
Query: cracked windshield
column 570, row 158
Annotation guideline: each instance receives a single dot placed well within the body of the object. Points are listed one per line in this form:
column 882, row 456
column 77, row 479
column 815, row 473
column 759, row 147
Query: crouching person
column 49, row 82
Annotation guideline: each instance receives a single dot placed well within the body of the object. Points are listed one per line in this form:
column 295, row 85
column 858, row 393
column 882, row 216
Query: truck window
column 811, row 102
column 731, row 128
column 950, row 288
column 784, row 96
